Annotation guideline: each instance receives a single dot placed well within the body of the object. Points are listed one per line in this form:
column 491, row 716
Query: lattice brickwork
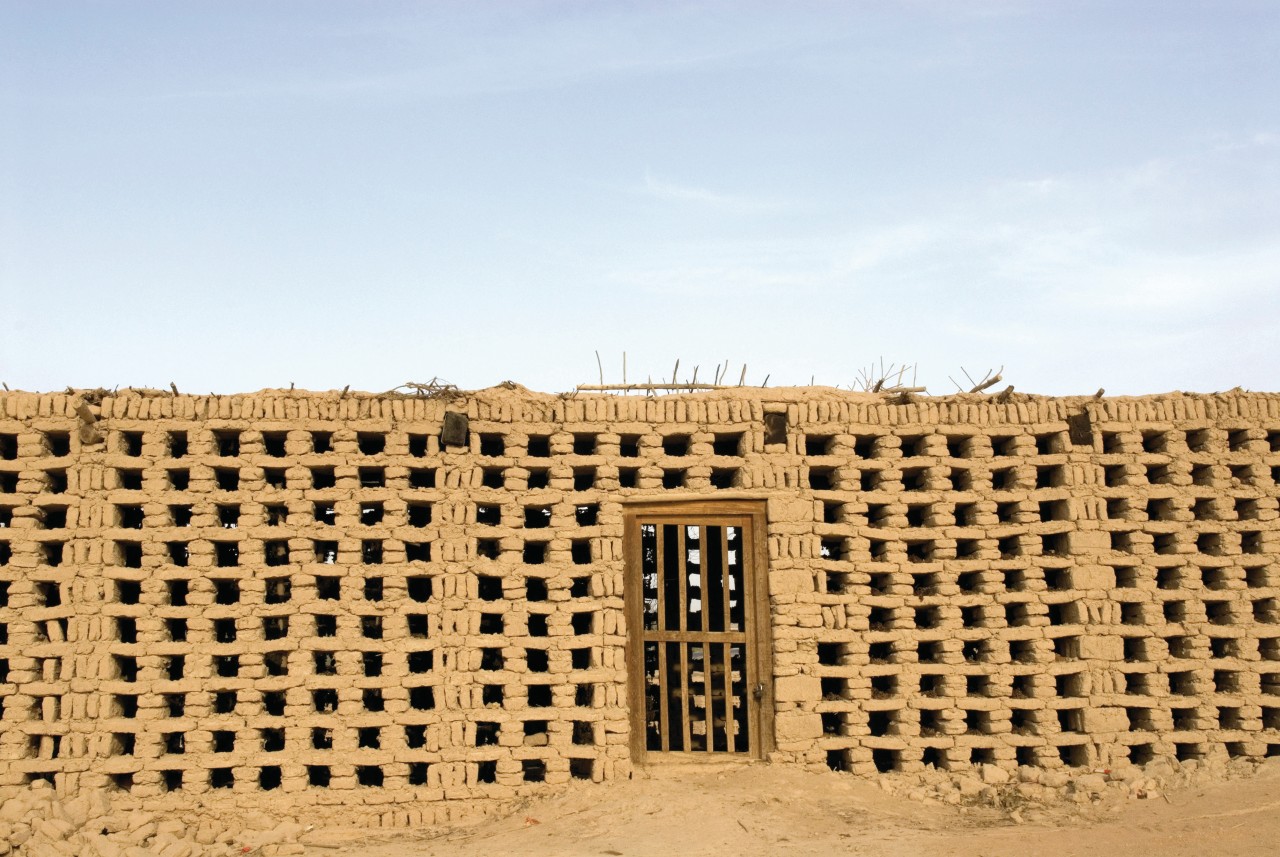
column 306, row 599
column 1006, row 596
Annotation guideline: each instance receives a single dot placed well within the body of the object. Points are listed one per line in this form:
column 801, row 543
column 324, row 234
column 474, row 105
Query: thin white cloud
column 520, row 53
column 1116, row 266
column 882, row 248
column 1225, row 142
column 671, row 191
column 729, row 279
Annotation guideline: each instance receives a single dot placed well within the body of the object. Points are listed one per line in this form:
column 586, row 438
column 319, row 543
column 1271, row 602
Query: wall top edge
column 514, row 392
column 512, row 402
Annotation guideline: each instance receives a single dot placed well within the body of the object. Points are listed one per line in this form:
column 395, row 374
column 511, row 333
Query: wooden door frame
column 758, row 625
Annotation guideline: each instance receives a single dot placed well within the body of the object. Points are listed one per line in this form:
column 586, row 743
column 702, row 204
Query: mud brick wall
column 305, row 600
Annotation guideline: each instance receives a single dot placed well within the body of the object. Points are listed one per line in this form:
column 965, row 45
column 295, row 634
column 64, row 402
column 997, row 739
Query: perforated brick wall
column 304, row 599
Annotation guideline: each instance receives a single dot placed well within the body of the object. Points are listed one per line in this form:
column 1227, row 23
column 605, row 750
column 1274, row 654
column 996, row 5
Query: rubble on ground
column 1025, row 794
column 36, row 822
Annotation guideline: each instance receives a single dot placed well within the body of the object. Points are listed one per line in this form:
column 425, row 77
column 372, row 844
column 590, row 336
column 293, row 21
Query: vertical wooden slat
column 683, row 571
column 724, row 576
column 730, row 730
column 664, row 718
column 659, row 556
column 635, row 636
column 758, row 630
column 709, row 708
column 685, row 708
column 724, row 610
column 749, row 653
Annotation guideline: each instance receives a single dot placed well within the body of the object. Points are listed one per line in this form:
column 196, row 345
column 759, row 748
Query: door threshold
column 701, row 761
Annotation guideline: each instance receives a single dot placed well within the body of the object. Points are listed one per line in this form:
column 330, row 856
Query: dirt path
column 763, row 810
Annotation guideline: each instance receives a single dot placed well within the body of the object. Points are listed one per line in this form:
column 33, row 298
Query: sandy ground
column 763, row 810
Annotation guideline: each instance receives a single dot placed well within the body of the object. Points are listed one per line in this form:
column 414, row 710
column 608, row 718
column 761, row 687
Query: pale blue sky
column 237, row 195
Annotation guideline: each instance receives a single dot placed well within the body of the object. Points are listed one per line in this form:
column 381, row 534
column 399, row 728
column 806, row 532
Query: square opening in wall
column 1004, row 445
column 1054, row 544
column 419, row 587
column 58, row 443
column 418, row 514
column 371, row 442
column 775, row 428
column 177, row 443
column 51, row 553
column 1238, row 440
column 866, row 446
column 226, row 554
column 1049, row 443
column 884, row 687
column 921, row 550
column 675, row 445
column 1205, row 509
column 822, row 478
column 536, row 624
column 226, row 442
column 727, row 444
column 1200, row 440
column 131, row 443
column 914, row 445
column 418, row 445
column 492, row 444
column 371, row 513
column 273, row 443
column 832, row 548
column 929, row 651
column 818, row 444
column 129, row 554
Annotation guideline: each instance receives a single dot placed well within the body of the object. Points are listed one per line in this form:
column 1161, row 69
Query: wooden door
column 698, row 653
